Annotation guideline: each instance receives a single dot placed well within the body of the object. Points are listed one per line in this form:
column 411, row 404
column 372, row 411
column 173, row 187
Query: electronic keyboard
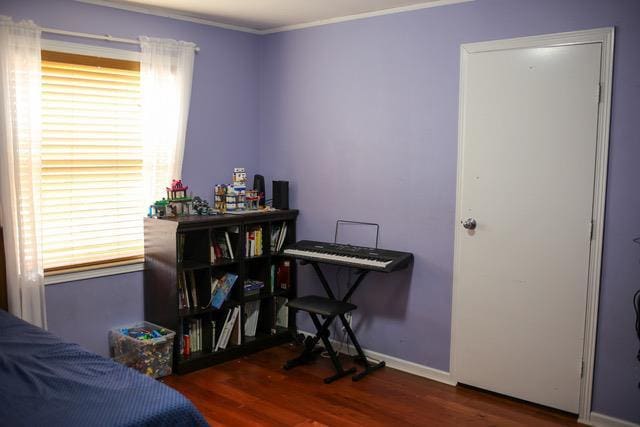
column 364, row 258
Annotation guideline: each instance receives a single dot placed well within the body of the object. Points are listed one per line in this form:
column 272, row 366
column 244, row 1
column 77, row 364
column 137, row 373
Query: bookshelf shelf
column 188, row 312
column 183, row 256
column 223, row 262
column 193, row 265
column 258, row 257
column 261, row 296
column 265, row 337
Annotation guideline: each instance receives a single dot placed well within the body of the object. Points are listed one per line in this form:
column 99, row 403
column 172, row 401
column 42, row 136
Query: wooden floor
column 256, row 391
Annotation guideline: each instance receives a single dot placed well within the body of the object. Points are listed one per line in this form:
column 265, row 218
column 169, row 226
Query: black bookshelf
column 177, row 245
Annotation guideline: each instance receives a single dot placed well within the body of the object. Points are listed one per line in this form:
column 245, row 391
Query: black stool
column 329, row 309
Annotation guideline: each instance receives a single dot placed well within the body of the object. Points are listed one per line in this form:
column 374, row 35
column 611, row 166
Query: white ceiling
column 263, row 16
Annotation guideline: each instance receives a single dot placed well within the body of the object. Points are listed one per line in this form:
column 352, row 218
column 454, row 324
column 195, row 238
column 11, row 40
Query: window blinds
column 92, row 158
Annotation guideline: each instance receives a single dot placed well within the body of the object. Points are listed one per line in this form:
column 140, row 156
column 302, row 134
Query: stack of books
column 187, row 290
column 252, row 287
column 192, row 336
column 253, row 242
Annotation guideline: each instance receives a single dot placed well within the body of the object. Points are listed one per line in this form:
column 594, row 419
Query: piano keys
column 373, row 259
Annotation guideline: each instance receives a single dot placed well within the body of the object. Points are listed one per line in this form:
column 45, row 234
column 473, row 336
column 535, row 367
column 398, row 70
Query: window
column 92, row 162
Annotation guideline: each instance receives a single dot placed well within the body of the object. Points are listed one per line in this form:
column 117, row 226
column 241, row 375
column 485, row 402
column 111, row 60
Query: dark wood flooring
column 255, row 391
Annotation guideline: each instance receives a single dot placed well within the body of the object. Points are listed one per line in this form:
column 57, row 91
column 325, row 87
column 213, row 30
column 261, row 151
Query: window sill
column 93, row 273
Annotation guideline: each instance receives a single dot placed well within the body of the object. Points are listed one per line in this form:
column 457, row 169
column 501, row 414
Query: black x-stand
column 329, row 308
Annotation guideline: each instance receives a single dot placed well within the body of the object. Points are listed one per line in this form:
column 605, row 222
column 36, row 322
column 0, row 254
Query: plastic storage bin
column 152, row 356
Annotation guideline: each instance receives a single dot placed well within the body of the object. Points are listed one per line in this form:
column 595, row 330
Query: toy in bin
column 145, row 347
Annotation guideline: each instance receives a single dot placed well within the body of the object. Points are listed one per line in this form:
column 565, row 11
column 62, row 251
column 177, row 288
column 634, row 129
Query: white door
column 529, row 121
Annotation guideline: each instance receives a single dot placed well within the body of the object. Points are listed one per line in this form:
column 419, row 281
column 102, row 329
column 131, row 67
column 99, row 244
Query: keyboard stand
column 330, row 308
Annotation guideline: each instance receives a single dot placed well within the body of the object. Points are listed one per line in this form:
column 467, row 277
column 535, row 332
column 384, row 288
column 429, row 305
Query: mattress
column 47, row 381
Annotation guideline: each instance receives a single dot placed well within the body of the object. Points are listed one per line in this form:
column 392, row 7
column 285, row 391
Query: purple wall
column 362, row 118
column 85, row 310
column 222, row 133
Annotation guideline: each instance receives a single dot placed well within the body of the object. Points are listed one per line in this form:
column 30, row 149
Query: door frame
column 605, row 36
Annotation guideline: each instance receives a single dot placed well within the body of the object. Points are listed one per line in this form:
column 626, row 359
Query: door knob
column 469, row 223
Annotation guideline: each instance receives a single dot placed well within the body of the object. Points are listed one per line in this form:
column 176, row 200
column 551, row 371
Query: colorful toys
column 179, row 202
column 158, row 209
column 200, row 206
column 220, row 198
column 235, row 196
column 252, row 200
column 239, row 187
column 145, row 347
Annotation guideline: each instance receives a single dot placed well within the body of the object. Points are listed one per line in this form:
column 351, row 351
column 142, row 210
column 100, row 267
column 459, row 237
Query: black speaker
column 258, row 185
column 281, row 194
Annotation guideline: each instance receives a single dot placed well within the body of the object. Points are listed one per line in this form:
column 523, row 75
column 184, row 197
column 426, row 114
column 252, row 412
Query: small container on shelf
column 145, row 347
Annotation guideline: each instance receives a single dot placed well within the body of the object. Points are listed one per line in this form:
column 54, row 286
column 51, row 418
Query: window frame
column 71, row 274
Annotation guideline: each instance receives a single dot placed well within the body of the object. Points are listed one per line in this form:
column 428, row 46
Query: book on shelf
column 190, row 289
column 221, row 287
column 219, row 248
column 281, row 312
column 282, row 237
column 278, row 236
column 229, row 245
column 186, row 345
column 187, row 290
column 221, row 338
column 213, row 334
column 251, row 315
column 231, row 319
column 198, row 334
column 191, row 337
column 194, row 336
column 258, row 242
column 183, row 299
column 275, row 230
column 236, row 330
column 216, row 251
column 253, row 242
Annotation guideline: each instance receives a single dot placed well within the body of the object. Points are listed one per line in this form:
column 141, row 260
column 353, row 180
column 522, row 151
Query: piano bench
column 323, row 306
column 329, row 309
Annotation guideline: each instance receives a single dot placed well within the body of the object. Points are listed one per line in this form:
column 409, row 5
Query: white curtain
column 166, row 71
column 20, row 167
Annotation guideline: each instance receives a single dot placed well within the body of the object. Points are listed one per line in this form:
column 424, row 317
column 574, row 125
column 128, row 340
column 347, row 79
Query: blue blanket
column 45, row 381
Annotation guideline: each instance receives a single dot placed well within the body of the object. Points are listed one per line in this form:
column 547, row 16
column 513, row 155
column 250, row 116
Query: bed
column 47, row 381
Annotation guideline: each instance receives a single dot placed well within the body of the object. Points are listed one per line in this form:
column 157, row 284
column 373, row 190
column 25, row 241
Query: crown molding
column 166, row 13
column 364, row 15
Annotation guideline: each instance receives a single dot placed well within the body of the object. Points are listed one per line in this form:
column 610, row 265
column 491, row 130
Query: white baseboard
column 396, row 363
column 600, row 420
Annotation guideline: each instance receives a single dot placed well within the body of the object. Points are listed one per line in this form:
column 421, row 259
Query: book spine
column 229, row 246
column 186, row 345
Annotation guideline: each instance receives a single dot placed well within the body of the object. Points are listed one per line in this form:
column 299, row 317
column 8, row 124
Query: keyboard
column 364, row 258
